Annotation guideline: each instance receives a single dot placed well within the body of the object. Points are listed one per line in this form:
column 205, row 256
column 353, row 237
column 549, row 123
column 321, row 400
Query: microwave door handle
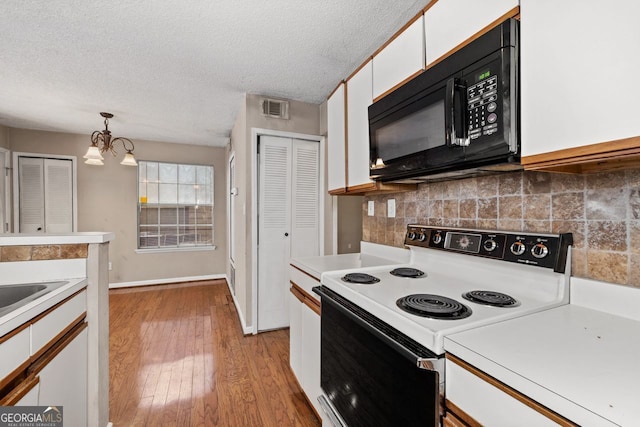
column 456, row 113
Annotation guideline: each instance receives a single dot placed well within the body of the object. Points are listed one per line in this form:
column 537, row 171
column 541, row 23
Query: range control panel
column 543, row 250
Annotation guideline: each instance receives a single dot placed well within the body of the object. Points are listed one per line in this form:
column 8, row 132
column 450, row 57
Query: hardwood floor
column 178, row 358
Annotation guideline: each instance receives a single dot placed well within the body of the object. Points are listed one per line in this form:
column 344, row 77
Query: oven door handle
column 330, row 412
column 428, row 363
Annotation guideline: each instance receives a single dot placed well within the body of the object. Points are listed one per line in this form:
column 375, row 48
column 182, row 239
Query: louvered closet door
column 31, row 188
column 46, row 195
column 274, row 232
column 288, row 220
column 305, row 200
column 58, row 196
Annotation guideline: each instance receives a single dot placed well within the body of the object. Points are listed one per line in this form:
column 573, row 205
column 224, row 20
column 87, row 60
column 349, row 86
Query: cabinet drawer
column 305, row 282
column 14, row 353
column 57, row 322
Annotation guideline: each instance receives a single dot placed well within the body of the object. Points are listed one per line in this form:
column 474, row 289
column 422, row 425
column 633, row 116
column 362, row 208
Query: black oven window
column 417, row 132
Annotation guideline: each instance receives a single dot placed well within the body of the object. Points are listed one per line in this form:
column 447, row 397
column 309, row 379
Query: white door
column 288, row 220
column 233, row 195
column 45, row 190
column 4, row 193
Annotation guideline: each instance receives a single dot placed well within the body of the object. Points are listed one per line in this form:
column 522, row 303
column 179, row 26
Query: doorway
column 289, row 217
column 4, row 190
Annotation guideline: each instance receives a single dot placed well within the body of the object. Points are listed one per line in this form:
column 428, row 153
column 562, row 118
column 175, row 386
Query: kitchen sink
column 13, row 297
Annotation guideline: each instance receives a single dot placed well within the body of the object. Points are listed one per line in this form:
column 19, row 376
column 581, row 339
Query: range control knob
column 490, row 245
column 437, row 238
column 422, row 237
column 539, row 250
column 411, row 235
column 517, row 248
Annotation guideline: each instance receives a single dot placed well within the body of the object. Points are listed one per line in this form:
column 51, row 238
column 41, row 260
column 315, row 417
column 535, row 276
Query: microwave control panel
column 483, row 105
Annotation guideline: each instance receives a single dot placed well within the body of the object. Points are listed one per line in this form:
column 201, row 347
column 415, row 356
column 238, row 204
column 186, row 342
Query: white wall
column 304, row 118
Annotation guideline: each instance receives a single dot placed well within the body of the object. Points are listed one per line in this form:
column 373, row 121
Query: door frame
column 255, row 135
column 6, row 203
column 16, row 189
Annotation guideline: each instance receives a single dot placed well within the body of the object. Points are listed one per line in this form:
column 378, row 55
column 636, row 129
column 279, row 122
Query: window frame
column 185, row 220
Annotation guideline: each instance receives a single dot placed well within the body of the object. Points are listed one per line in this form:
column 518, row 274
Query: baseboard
column 165, row 281
column 247, row 330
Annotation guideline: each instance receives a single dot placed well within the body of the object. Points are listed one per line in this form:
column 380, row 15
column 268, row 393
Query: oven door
column 371, row 374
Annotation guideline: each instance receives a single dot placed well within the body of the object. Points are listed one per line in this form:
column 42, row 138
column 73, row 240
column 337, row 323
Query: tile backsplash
column 601, row 210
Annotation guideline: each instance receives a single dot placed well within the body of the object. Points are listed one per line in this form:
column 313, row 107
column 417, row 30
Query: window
column 175, row 205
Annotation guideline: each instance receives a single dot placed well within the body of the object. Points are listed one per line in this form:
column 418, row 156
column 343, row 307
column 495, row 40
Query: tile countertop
column 371, row 255
column 579, row 360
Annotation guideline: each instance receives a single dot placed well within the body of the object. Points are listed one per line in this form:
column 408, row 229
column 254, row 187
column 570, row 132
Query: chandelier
column 101, row 142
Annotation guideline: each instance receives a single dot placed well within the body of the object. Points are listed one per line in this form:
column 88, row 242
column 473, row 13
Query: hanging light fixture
column 101, row 142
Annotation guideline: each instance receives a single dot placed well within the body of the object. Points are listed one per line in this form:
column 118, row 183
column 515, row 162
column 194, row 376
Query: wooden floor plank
column 178, row 358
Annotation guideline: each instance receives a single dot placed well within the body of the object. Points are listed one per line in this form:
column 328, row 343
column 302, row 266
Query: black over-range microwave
column 459, row 118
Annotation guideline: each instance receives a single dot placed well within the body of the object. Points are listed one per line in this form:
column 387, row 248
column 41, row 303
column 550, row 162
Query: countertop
column 18, row 239
column 19, row 316
column 578, row 360
column 371, row 255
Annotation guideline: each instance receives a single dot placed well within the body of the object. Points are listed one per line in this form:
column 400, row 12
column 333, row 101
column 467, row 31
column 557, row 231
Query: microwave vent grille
column 274, row 108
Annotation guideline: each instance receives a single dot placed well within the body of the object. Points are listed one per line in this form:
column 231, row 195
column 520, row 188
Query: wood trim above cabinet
column 305, row 298
column 593, row 158
column 388, row 91
column 513, row 13
column 543, row 410
column 456, row 417
column 19, row 392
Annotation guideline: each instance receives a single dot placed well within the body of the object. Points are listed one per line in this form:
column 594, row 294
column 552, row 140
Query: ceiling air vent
column 274, row 108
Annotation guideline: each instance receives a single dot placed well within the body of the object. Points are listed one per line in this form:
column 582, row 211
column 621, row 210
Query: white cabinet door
column 31, row 195
column 336, row 140
column 47, row 328
column 399, row 60
column 295, row 336
column 449, row 23
column 359, row 97
column 576, row 67
column 63, row 381
column 311, row 359
column 14, row 352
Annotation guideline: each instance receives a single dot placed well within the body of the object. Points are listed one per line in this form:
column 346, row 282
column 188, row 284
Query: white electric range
column 516, row 274
column 383, row 327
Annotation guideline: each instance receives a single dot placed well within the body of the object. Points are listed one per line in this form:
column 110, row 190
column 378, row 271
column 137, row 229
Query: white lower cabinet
column 311, row 356
column 47, row 367
column 295, row 335
column 304, row 343
column 489, row 405
column 63, row 381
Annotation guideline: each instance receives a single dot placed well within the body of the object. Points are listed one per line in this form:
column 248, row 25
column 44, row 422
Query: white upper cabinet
column 359, row 97
column 450, row 22
column 336, row 140
column 578, row 63
column 400, row 60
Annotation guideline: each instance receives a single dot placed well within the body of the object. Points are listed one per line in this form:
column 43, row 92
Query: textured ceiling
column 176, row 70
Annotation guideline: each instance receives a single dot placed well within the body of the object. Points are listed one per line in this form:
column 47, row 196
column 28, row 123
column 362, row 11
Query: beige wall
column 4, row 137
column 303, row 118
column 107, row 201
column 238, row 146
column 601, row 210
column 349, row 223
